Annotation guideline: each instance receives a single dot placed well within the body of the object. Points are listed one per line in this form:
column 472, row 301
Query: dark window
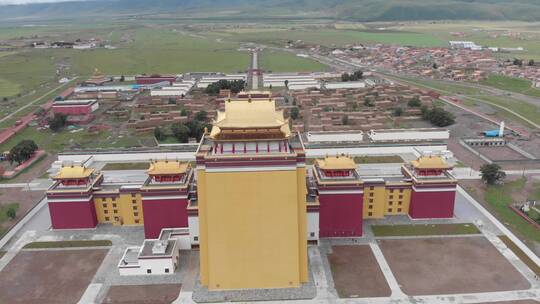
column 370, row 214
column 371, row 188
column 136, row 221
column 400, row 190
column 371, row 194
column 115, row 211
column 391, row 197
column 390, row 203
column 104, row 205
column 134, row 201
column 133, row 194
column 107, row 218
column 136, row 213
column 114, row 205
column 134, row 207
column 391, row 190
column 370, row 207
column 370, row 200
column 400, row 203
column 166, row 270
column 389, row 209
column 195, row 238
column 113, row 199
column 105, row 211
column 148, row 270
column 116, row 218
column 312, row 234
column 401, row 197
column 398, row 209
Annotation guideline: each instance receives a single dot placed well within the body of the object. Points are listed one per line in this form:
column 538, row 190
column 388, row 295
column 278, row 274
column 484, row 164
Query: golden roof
column 340, row 162
column 246, row 114
column 430, row 162
column 167, row 167
column 73, row 172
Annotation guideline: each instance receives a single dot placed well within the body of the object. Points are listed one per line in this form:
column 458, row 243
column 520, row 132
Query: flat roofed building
column 251, row 185
column 75, row 106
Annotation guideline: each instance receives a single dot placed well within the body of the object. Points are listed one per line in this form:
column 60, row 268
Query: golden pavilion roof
column 250, row 114
column 73, row 172
column 339, row 162
column 430, row 162
column 167, row 167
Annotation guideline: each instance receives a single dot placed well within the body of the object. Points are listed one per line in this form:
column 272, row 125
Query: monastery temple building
column 250, row 204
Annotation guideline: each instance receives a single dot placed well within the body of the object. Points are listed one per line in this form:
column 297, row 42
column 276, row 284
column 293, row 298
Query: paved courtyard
column 428, row 266
column 356, row 272
column 49, row 276
column 142, row 294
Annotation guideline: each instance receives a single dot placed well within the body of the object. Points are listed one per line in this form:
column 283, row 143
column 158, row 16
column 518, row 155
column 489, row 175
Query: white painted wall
column 313, row 226
column 193, row 224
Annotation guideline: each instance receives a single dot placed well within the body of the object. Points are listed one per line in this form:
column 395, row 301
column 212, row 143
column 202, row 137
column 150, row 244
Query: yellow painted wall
column 123, row 209
column 252, row 229
column 397, row 202
column 374, row 201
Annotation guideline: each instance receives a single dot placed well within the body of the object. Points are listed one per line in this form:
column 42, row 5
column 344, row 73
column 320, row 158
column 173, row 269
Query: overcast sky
column 28, row 1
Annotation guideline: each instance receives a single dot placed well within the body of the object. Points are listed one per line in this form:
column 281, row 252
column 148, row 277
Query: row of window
column 391, row 190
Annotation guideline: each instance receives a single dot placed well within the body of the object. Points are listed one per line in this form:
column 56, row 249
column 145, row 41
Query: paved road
column 35, row 100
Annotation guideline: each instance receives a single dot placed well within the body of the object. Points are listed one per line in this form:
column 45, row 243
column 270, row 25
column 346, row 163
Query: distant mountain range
column 356, row 10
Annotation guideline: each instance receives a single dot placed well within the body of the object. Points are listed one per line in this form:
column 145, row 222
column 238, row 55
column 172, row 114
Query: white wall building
column 410, row 135
column 207, row 80
column 157, row 256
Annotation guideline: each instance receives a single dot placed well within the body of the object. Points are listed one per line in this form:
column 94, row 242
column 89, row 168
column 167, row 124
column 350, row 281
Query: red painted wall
column 73, row 215
column 153, row 80
column 159, row 214
column 432, row 204
column 340, row 215
column 73, row 110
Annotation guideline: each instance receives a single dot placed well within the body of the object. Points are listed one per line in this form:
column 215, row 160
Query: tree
column 531, row 62
column 180, row 132
column 398, row 111
column 22, row 151
column 183, row 112
column 158, row 133
column 368, row 102
column 441, row 117
column 492, row 174
column 172, row 100
column 345, row 77
column 11, row 212
column 437, row 116
column 295, row 113
column 122, row 78
column 57, row 122
column 414, row 102
column 345, row 120
column 518, row 62
column 201, row 116
column 435, row 66
column 286, row 83
column 234, row 85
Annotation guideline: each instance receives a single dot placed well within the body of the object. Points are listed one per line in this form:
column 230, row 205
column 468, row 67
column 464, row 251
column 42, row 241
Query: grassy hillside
column 359, row 10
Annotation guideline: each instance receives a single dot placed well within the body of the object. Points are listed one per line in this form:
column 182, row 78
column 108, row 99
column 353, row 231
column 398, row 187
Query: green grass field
column 3, row 211
column 499, row 197
column 285, row 62
column 329, row 37
column 527, row 110
column 68, row 244
column 511, row 84
column 427, row 229
column 126, row 166
column 65, row 140
column 378, row 159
